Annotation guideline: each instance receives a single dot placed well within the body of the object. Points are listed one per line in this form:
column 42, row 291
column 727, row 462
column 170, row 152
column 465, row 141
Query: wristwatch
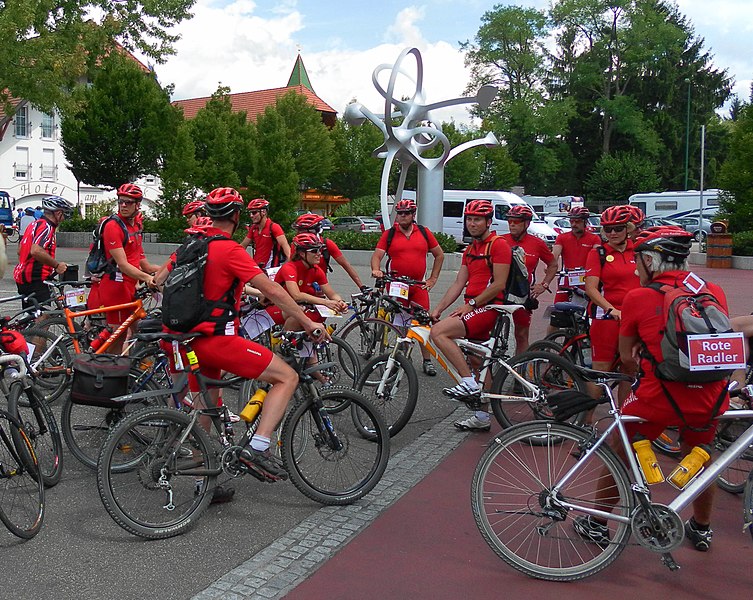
column 472, row 302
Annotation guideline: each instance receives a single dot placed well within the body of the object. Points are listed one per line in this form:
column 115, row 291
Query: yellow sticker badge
column 610, row 258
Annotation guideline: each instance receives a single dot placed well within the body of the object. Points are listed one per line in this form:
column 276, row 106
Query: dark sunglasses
column 405, row 212
column 314, row 250
column 614, row 228
column 516, row 221
column 128, row 202
column 254, row 212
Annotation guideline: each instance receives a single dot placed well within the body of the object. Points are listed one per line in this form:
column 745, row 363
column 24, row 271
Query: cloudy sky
column 251, row 45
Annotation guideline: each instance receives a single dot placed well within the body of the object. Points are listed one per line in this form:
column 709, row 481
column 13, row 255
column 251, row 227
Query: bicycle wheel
column 734, row 477
column 748, row 504
column 41, row 430
column 526, row 524
column 549, row 372
column 337, row 465
column 54, row 373
column 85, row 428
column 13, row 235
column 21, row 488
column 545, row 346
column 397, row 399
column 346, row 367
column 369, row 337
column 153, row 498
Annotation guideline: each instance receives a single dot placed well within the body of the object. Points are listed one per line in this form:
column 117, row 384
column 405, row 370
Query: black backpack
column 183, row 303
column 96, row 263
column 517, row 288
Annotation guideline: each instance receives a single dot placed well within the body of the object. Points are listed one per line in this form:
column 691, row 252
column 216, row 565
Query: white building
column 33, row 165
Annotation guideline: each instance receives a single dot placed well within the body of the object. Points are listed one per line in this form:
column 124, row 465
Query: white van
column 454, row 203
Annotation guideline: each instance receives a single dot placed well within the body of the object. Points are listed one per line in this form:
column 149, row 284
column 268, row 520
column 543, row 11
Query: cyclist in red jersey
column 222, row 349
column 312, row 223
column 192, row 211
column 661, row 257
column 610, row 274
column 408, row 246
column 270, row 246
column 519, row 218
column 126, row 253
column 36, row 251
column 572, row 247
column 481, row 278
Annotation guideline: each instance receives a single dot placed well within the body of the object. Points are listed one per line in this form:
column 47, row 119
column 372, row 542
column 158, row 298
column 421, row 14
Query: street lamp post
column 687, row 135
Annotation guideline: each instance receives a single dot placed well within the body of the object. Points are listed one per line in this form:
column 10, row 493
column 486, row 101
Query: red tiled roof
column 254, row 103
column 14, row 102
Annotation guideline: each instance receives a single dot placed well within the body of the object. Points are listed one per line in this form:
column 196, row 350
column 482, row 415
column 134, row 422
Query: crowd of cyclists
column 291, row 282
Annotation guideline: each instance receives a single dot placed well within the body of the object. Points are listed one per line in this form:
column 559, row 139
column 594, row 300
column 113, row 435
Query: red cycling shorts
column 604, row 335
column 112, row 293
column 522, row 317
column 479, row 323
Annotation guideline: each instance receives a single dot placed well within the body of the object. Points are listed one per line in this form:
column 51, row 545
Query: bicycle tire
column 54, row 375
column 748, row 504
column 545, row 346
column 85, row 428
column 396, row 407
column 735, row 476
column 347, row 366
column 134, row 497
column 511, row 484
column 41, row 429
column 13, row 235
column 22, row 504
column 334, row 476
column 369, row 337
column 550, row 372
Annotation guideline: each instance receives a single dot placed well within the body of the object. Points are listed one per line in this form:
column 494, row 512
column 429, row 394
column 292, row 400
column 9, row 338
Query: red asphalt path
column 427, row 544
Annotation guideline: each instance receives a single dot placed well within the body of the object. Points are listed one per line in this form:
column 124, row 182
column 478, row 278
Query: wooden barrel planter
column 719, row 251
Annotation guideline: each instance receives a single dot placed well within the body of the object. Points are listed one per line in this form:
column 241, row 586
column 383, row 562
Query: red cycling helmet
column 200, row 226
column 308, row 221
column 673, row 243
column 520, row 211
column 307, row 241
column 617, row 215
column 579, row 212
column 637, row 215
column 405, row 205
column 258, row 204
column 130, row 190
column 192, row 207
column 479, row 208
column 223, row 202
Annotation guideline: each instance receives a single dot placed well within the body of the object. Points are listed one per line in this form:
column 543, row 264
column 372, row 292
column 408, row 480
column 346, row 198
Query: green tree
column 736, row 176
column 122, row 127
column 47, row 47
column 357, row 172
column 617, row 176
column 178, row 175
column 308, row 139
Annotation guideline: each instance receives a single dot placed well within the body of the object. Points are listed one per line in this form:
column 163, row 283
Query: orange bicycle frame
column 138, row 312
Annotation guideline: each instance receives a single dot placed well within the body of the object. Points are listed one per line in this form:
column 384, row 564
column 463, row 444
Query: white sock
column 471, row 382
column 482, row 415
column 259, row 442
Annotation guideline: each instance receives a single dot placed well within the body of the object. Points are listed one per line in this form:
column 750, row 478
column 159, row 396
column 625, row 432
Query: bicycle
column 519, row 386
column 534, row 477
column 21, row 488
column 158, row 467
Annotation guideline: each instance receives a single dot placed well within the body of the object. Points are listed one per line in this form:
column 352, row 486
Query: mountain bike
column 536, row 480
column 158, row 469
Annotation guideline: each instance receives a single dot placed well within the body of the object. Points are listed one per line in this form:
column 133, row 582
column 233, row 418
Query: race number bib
column 75, row 297
column 398, row 289
column 272, row 272
column 326, row 312
column 714, row 351
column 574, row 278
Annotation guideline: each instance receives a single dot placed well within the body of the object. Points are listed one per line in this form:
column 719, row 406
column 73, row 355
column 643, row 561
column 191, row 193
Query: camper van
column 454, row 203
column 676, row 204
column 546, row 205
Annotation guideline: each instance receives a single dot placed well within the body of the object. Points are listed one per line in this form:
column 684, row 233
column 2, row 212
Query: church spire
column 299, row 76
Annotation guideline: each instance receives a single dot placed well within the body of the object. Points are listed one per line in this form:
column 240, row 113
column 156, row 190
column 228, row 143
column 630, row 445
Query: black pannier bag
column 98, row 378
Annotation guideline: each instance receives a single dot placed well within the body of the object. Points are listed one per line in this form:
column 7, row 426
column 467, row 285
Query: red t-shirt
column 227, row 262
column 575, row 249
column 408, row 255
column 617, row 275
column 334, row 253
column 536, row 250
column 479, row 274
column 304, row 276
column 28, row 270
column 113, row 237
column 263, row 242
column 643, row 316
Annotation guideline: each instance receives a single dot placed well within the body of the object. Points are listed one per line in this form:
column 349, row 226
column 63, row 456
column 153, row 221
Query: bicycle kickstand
column 669, row 562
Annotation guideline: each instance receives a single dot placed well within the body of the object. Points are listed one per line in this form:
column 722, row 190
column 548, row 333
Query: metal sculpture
column 409, row 133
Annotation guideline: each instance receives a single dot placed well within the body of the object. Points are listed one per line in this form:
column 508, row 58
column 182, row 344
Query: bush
column 742, row 243
column 353, row 240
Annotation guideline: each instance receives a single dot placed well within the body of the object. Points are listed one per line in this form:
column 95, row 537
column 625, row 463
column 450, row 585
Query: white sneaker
column 473, row 423
column 461, row 391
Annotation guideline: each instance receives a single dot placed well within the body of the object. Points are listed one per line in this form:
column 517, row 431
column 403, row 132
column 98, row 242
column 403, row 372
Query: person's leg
column 443, row 335
column 521, row 318
column 421, row 296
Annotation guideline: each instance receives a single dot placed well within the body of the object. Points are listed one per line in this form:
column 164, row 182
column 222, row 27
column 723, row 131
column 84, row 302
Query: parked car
column 363, row 224
column 655, row 221
column 560, row 222
column 326, row 224
column 691, row 224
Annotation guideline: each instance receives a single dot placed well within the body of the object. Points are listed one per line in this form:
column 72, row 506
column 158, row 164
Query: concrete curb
column 281, row 566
